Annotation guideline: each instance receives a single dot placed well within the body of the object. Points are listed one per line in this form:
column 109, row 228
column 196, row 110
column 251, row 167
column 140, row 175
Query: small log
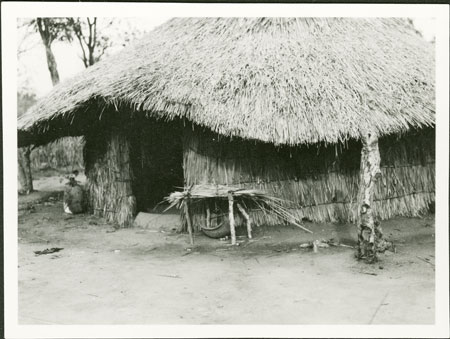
column 248, row 220
column 369, row 232
column 189, row 222
column 231, row 217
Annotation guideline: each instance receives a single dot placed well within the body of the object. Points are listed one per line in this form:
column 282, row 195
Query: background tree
column 24, row 101
column 50, row 30
column 92, row 44
column 96, row 37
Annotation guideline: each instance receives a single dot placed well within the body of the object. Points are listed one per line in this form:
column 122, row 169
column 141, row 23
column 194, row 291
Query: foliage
column 51, row 29
column 95, row 36
column 63, row 153
column 93, row 45
column 24, row 101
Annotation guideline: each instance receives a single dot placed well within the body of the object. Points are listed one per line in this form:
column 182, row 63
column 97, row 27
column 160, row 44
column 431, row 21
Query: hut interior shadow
column 157, row 162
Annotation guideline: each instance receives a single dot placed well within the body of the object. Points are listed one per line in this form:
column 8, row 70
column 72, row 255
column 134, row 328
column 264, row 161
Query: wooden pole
column 208, row 217
column 369, row 233
column 248, row 220
column 189, row 222
column 231, row 217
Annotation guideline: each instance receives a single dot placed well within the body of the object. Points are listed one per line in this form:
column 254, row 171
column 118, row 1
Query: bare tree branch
column 95, row 32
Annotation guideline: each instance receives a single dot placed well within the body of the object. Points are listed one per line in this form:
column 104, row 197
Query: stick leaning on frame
column 189, row 221
column 234, row 195
column 247, row 219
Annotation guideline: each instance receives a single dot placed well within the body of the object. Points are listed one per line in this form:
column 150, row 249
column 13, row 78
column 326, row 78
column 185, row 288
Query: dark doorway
column 157, row 158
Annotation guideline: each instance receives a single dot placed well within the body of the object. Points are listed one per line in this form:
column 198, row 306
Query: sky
column 33, row 74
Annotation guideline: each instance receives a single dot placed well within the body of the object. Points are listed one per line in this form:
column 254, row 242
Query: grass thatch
column 202, row 196
column 321, row 183
column 279, row 80
column 110, row 177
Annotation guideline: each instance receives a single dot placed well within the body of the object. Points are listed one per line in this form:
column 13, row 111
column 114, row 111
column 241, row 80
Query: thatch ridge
column 278, row 80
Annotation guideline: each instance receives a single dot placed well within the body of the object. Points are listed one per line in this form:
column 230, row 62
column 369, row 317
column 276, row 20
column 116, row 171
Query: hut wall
column 320, row 182
column 109, row 176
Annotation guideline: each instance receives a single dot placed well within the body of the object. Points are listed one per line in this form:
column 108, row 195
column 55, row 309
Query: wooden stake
column 231, row 217
column 368, row 231
column 189, row 222
column 247, row 219
column 208, row 217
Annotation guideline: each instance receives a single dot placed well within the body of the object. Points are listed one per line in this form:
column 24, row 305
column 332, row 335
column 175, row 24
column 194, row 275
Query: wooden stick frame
column 208, row 217
column 248, row 220
column 189, row 221
column 231, row 218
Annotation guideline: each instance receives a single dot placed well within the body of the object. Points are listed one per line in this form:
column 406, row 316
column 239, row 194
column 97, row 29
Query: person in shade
column 73, row 195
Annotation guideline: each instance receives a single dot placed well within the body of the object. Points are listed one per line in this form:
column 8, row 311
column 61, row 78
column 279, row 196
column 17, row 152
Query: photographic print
column 179, row 169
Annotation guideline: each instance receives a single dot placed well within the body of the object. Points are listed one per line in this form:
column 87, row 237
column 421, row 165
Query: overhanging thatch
column 278, row 80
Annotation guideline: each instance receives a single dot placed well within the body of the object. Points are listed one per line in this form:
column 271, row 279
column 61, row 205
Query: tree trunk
column 51, row 63
column 91, row 56
column 369, row 232
column 25, row 177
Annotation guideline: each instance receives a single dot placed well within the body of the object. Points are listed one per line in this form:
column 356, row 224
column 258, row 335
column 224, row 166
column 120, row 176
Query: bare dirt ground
column 153, row 276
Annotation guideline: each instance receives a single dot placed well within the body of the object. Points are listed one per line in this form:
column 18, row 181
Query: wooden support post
column 208, row 217
column 248, row 220
column 189, row 221
column 231, row 217
column 369, row 234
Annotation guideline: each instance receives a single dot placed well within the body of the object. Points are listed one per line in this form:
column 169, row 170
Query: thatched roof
column 279, row 80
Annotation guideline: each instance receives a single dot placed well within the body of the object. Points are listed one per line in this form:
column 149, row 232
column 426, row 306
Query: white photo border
column 13, row 10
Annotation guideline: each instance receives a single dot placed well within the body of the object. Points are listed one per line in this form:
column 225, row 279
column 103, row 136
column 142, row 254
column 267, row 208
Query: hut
column 302, row 108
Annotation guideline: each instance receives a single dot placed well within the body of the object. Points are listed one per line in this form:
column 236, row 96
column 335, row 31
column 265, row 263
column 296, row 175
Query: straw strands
column 259, row 200
column 110, row 177
column 279, row 80
column 321, row 184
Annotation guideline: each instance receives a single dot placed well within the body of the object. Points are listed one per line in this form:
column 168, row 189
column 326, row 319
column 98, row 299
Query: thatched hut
column 279, row 104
